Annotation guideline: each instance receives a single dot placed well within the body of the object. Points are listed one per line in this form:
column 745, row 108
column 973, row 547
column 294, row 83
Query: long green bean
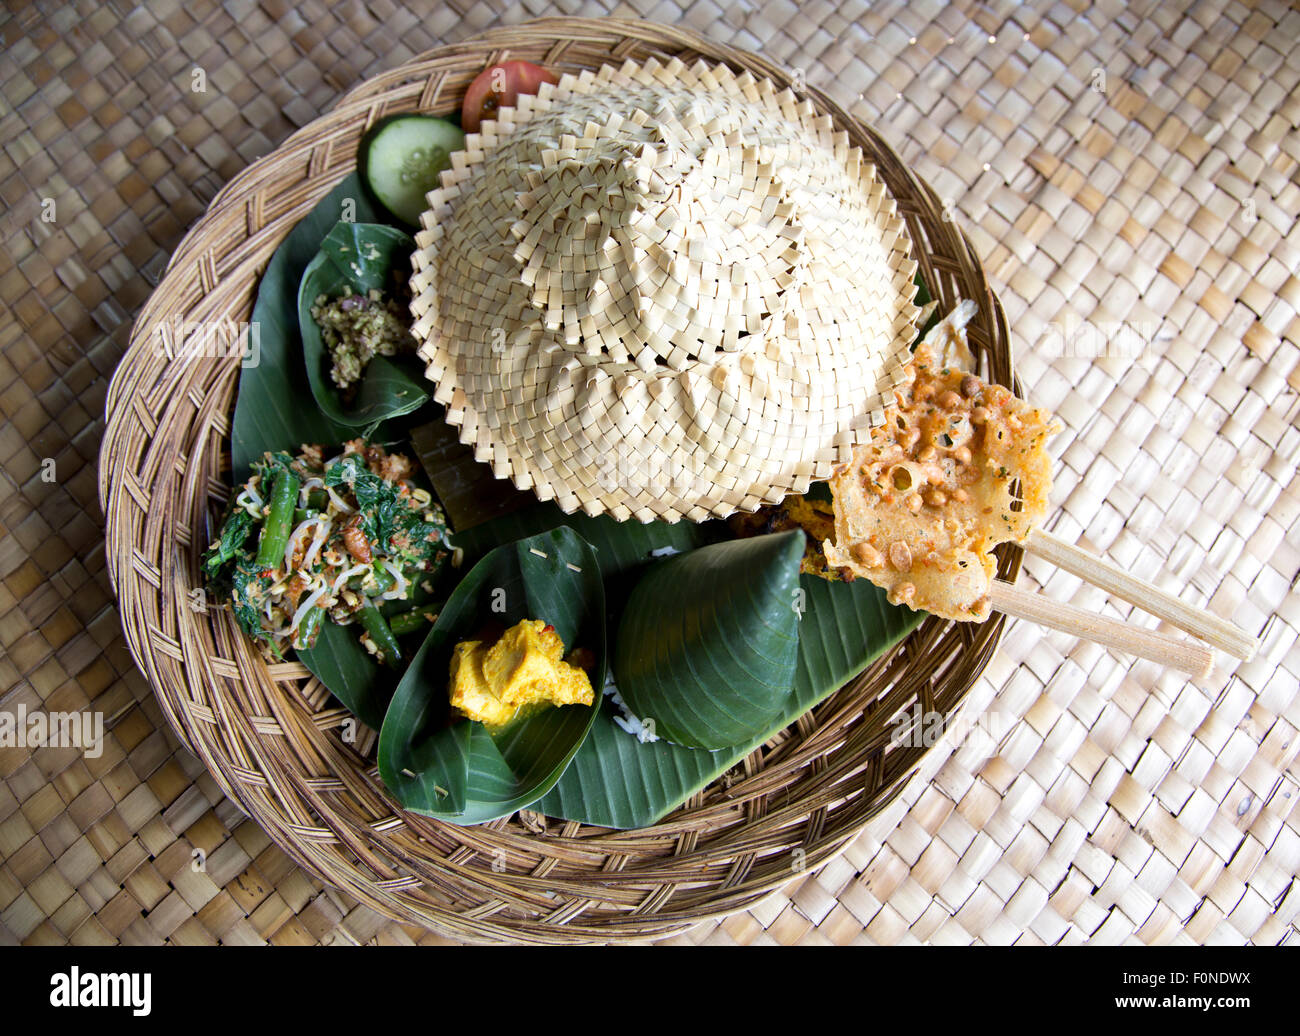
column 309, row 628
column 408, row 622
column 279, row 519
column 381, row 578
column 380, row 632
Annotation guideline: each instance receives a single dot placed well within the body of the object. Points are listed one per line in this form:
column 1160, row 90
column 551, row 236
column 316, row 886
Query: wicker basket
column 271, row 735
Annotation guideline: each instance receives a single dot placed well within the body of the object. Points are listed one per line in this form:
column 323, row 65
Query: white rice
column 629, row 721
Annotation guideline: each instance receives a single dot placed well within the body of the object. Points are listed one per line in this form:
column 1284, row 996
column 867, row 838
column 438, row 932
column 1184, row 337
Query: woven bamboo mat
column 1128, row 174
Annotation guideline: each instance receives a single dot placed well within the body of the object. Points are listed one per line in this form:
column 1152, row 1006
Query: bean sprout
column 338, row 501
column 250, row 501
column 318, row 541
column 305, row 489
column 397, row 591
column 343, row 577
column 292, row 543
column 305, row 607
column 457, row 553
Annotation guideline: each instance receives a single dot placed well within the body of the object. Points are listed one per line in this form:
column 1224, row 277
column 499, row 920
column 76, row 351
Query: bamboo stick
column 1188, row 656
column 1108, row 576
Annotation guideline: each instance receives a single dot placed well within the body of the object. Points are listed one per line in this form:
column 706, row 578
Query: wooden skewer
column 1188, row 656
column 1108, row 576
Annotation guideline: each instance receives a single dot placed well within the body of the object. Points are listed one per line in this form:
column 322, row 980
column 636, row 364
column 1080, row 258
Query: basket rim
column 128, row 401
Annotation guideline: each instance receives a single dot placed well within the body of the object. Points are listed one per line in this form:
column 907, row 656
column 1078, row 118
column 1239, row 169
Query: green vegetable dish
column 358, row 327
column 701, row 640
column 337, row 539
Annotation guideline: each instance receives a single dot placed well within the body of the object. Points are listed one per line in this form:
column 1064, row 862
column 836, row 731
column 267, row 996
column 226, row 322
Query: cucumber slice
column 401, row 159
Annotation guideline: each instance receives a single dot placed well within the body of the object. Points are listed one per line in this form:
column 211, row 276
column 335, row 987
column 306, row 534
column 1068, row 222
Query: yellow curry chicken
column 521, row 669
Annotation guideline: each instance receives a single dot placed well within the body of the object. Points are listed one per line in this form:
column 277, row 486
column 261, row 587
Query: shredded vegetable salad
column 339, row 539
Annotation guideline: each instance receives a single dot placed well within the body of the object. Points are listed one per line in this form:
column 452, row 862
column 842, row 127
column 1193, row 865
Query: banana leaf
column 466, row 488
column 616, row 781
column 350, row 672
column 709, row 639
column 275, row 409
column 359, row 257
column 443, row 766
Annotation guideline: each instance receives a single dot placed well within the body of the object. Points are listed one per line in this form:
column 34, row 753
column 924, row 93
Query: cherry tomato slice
column 499, row 86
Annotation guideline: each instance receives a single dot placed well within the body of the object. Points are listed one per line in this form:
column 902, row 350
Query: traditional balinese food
column 356, row 328
column 523, row 668
column 957, row 467
column 815, row 517
column 338, row 539
column 648, row 292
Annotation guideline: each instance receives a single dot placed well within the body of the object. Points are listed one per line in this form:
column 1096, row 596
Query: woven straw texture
column 730, row 297
column 1142, row 167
